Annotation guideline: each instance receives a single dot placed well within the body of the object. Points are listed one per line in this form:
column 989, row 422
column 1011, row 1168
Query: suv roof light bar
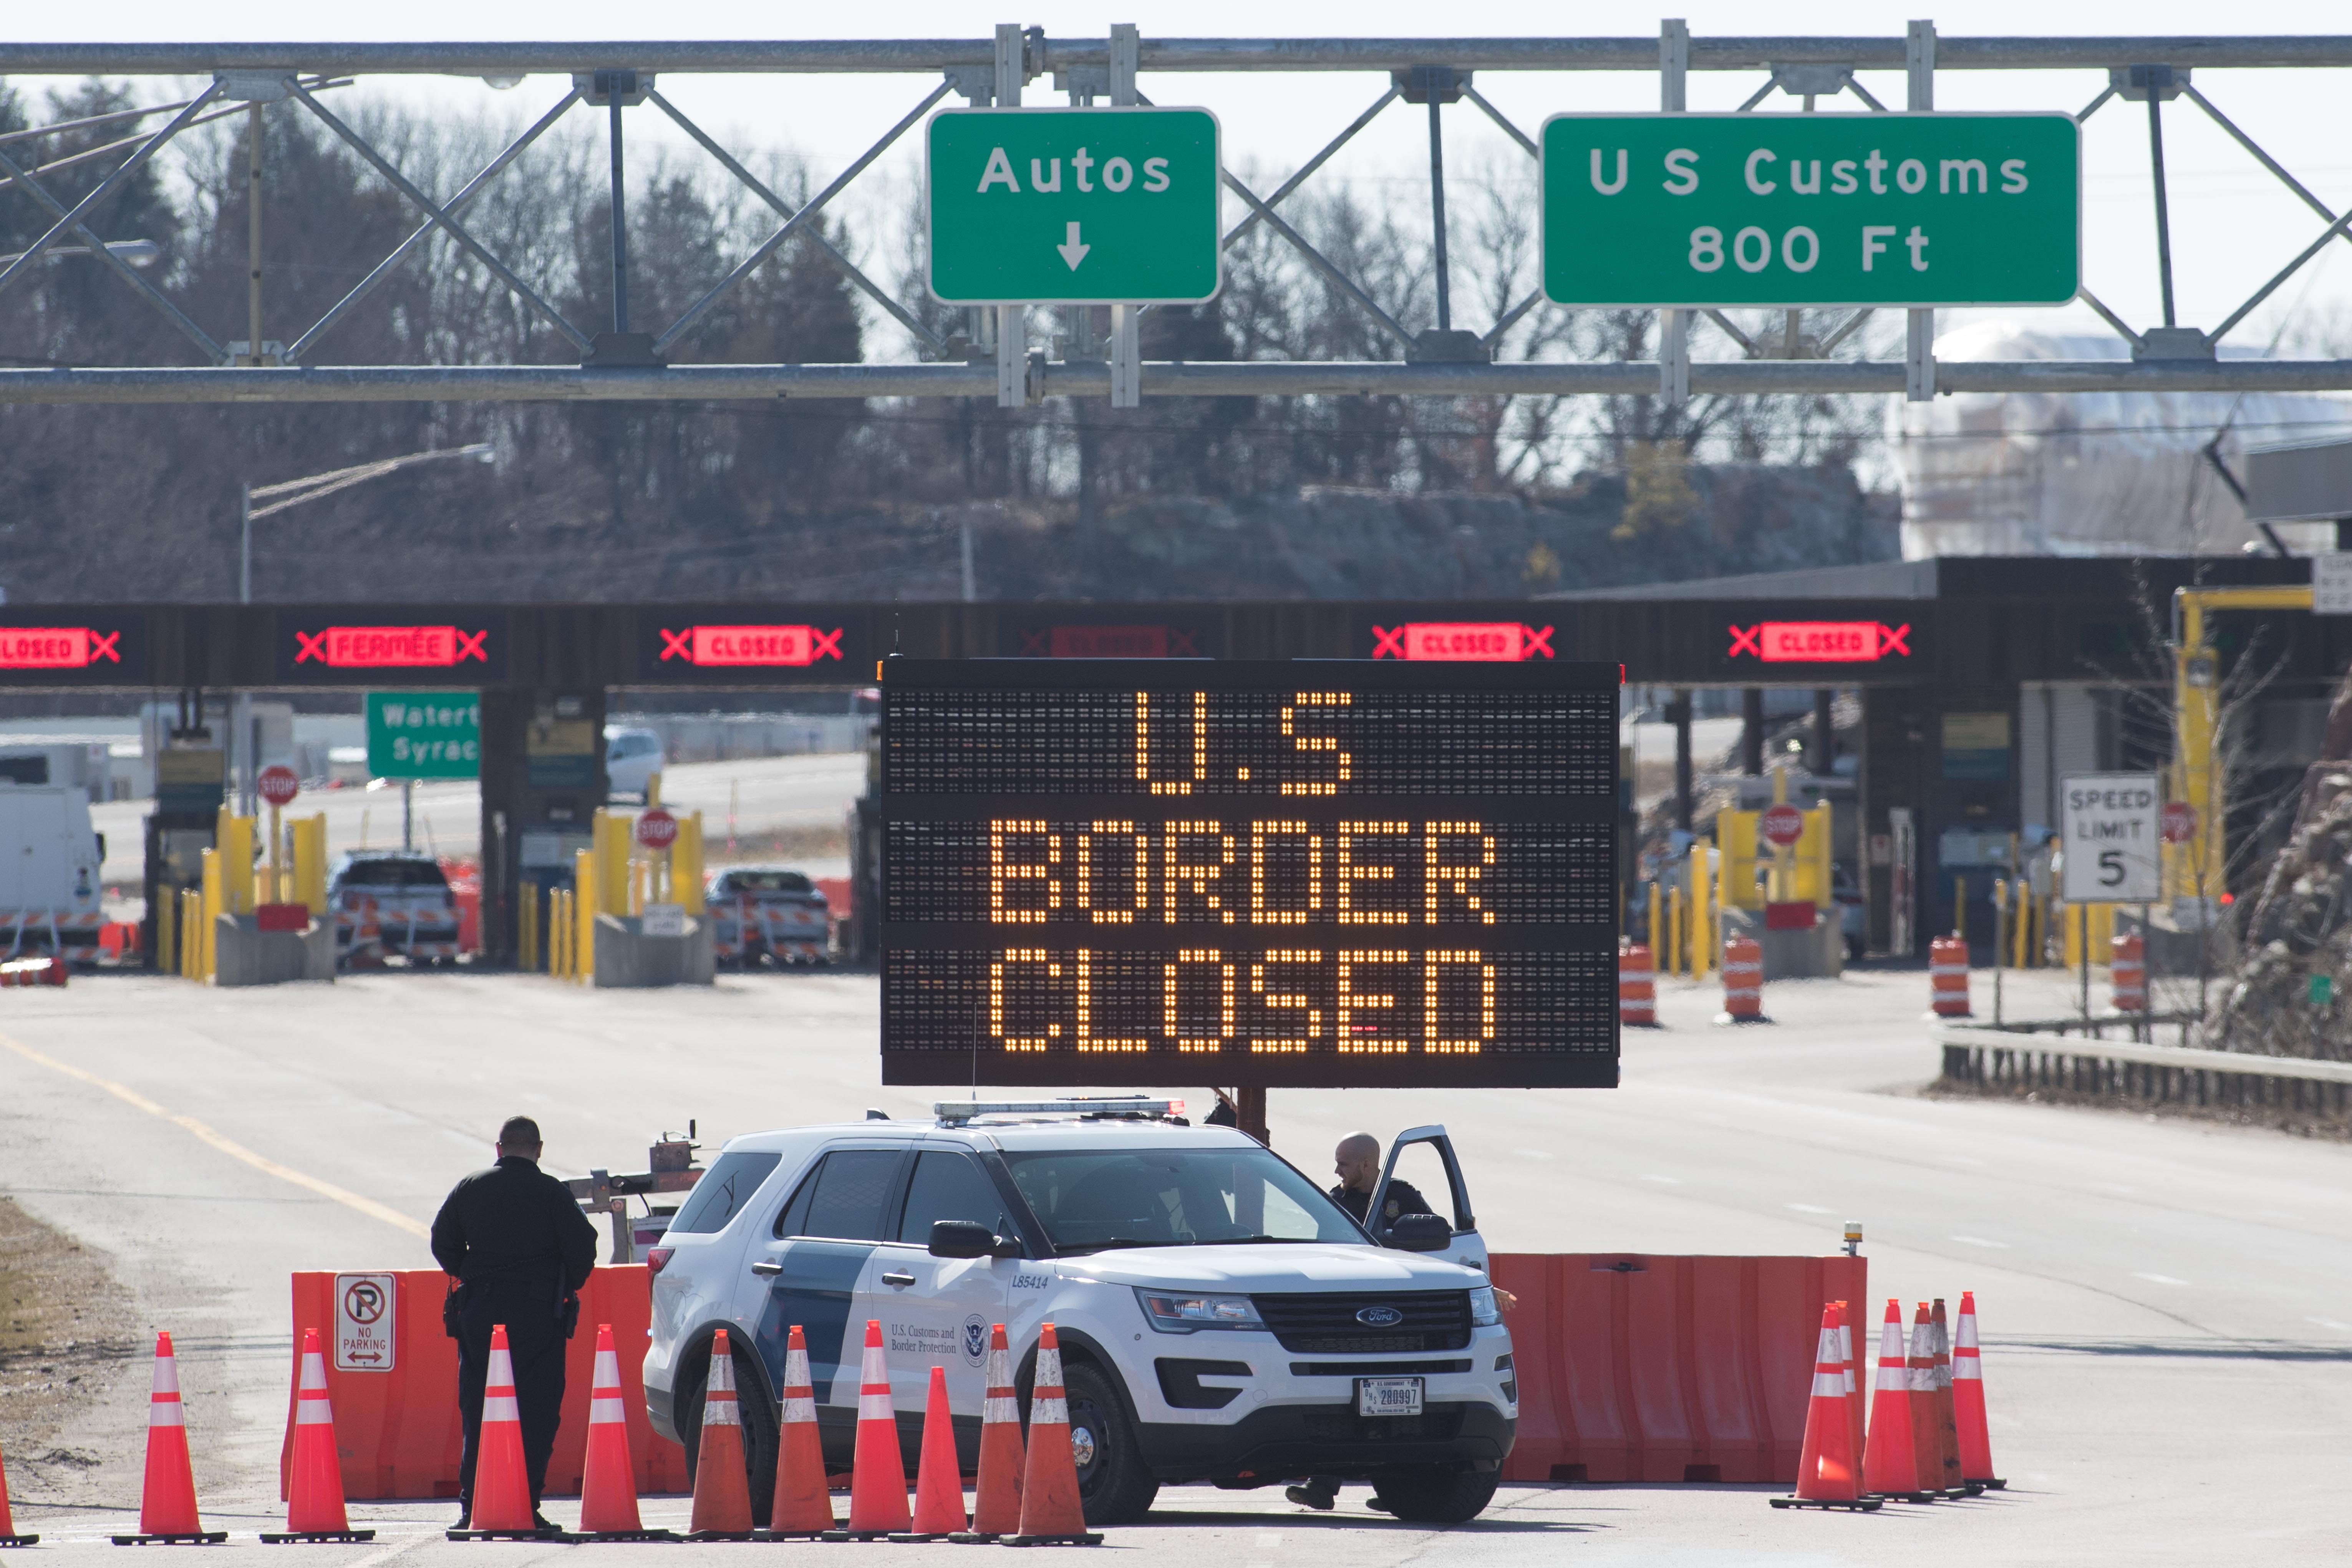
column 1124, row 1106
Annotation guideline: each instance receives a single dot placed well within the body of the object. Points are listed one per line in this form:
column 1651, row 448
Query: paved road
column 2168, row 1307
column 770, row 793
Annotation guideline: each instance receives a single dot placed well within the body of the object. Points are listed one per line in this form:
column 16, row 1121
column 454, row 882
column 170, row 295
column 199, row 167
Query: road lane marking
column 1806, row 1208
column 1981, row 1241
column 2160, row 1278
column 1666, row 1181
column 2330, row 1324
column 227, row 1145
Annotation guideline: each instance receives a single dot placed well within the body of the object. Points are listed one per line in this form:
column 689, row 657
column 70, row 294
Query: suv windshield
column 1091, row 1199
column 394, row 874
column 763, row 882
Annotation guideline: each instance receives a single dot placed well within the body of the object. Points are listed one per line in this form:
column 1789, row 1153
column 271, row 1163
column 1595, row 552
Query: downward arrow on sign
column 1072, row 251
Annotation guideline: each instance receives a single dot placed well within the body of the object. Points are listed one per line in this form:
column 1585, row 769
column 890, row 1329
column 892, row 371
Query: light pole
column 293, row 493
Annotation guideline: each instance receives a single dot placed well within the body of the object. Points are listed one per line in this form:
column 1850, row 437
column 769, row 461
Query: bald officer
column 1357, row 1164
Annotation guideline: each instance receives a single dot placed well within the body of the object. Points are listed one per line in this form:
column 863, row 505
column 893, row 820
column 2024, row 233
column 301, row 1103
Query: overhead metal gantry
column 992, row 356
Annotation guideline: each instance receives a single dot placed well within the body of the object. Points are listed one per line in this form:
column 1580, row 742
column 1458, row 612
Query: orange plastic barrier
column 398, row 1432
column 2127, row 969
column 1637, row 987
column 1635, row 1368
column 1948, row 976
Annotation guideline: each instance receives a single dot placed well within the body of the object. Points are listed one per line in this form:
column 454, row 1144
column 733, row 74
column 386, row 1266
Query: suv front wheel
column 1114, row 1487
column 1433, row 1494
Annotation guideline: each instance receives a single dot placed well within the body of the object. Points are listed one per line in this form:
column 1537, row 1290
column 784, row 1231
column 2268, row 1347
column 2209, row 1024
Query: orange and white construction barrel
column 2128, row 971
column 1743, row 981
column 1948, row 976
column 1637, row 987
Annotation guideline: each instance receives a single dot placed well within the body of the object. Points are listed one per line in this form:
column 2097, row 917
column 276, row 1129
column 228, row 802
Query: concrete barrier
column 627, row 959
column 1641, row 1368
column 244, row 955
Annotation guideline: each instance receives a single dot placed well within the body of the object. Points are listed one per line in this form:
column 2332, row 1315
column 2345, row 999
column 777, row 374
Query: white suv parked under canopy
column 1220, row 1318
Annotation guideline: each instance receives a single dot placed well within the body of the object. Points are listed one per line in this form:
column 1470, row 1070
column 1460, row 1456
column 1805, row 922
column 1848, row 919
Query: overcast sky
column 2233, row 224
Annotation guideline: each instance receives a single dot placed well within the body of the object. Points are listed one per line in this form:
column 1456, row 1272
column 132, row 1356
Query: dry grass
column 60, row 1339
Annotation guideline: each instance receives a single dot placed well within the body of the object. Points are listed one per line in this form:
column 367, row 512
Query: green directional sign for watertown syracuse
column 1079, row 206
column 1789, row 210
column 424, row 734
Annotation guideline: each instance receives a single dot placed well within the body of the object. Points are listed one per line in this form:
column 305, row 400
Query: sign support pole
column 1125, row 323
column 1674, row 326
column 1012, row 320
column 1919, row 339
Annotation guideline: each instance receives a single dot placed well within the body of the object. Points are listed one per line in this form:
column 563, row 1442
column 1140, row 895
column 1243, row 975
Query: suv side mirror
column 1419, row 1233
column 961, row 1239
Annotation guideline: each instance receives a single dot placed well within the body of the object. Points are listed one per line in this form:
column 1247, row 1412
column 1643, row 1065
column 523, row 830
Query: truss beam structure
column 1795, row 354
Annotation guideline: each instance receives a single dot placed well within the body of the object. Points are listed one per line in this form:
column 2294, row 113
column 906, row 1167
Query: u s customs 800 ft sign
column 1792, row 210
column 1284, row 874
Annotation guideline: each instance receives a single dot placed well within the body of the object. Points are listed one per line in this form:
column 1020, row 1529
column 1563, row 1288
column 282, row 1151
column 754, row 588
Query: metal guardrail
column 2181, row 1058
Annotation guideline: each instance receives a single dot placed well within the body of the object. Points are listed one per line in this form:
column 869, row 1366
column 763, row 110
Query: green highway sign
column 1789, row 210
column 1074, row 207
column 424, row 734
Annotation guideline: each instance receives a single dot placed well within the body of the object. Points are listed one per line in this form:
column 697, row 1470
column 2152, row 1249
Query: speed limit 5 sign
column 2114, row 826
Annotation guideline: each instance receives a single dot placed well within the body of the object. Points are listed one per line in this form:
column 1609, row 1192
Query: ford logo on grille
column 1378, row 1317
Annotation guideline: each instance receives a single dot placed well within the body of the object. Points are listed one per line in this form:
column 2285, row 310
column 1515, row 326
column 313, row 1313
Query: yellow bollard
column 1674, row 930
column 211, row 914
column 686, row 864
column 1961, row 908
column 584, row 910
column 1704, row 891
column 1657, row 902
column 310, row 864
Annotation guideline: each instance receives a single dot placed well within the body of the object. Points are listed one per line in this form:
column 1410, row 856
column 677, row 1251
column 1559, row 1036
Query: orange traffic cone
column 938, row 1481
column 1827, row 1476
column 1967, row 1400
column 500, row 1507
column 722, row 1495
column 314, row 1490
column 1926, row 1445
column 802, row 1506
column 1890, row 1467
column 1050, row 1510
column 1853, row 1385
column 878, row 1479
column 1947, row 1435
column 8, row 1536
column 997, row 1508
column 608, row 1486
column 167, row 1506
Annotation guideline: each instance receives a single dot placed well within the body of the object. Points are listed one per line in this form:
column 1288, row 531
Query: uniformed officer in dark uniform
column 1357, row 1163
column 519, row 1248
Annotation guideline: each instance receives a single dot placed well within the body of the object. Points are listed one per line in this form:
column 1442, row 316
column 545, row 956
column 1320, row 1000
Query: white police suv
column 1220, row 1320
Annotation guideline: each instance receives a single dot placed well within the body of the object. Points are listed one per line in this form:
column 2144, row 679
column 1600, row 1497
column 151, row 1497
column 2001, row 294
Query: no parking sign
column 367, row 1319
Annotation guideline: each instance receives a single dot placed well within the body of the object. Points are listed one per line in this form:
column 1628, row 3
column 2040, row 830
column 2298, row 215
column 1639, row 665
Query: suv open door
column 1467, row 1246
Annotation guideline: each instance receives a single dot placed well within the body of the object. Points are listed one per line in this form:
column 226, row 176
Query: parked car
column 392, row 904
column 632, row 757
column 1220, row 1320
column 770, row 912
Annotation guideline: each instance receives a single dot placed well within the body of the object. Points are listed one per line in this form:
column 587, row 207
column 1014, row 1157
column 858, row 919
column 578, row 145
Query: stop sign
column 657, row 829
column 1783, row 825
column 2179, row 822
column 277, row 784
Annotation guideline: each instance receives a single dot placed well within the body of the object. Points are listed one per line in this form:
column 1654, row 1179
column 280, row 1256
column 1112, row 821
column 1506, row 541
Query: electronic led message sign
column 1315, row 874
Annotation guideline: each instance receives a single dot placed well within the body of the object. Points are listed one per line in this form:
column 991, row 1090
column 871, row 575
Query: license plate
column 1388, row 1395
